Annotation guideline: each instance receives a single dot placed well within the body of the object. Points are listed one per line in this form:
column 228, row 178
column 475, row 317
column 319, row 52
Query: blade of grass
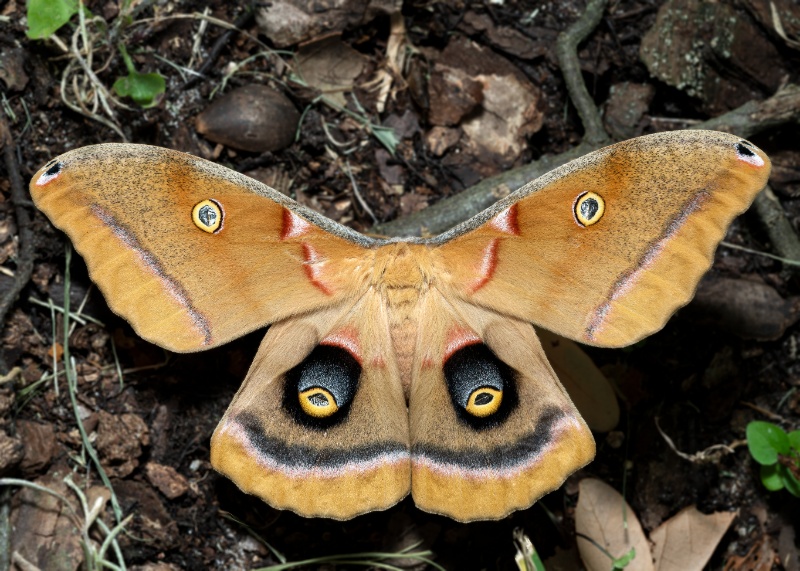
column 72, row 385
column 374, row 559
column 116, row 364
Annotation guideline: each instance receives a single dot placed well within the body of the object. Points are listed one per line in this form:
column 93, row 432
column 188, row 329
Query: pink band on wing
column 345, row 338
column 458, row 338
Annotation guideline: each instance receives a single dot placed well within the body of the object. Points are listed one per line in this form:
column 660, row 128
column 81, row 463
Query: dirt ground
column 423, row 73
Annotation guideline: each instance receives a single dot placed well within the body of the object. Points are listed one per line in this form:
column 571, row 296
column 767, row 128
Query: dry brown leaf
column 330, row 66
column 687, row 540
column 761, row 557
column 600, row 515
column 588, row 388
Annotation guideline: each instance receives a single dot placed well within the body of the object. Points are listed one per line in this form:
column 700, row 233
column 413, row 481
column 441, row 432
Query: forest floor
column 397, row 108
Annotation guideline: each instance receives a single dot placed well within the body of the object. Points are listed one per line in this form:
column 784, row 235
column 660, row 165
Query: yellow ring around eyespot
column 591, row 214
column 212, row 213
column 489, row 408
column 317, row 402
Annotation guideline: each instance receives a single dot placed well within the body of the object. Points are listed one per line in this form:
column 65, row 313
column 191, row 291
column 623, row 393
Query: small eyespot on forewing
column 52, row 171
column 207, row 215
column 589, row 208
column 745, row 152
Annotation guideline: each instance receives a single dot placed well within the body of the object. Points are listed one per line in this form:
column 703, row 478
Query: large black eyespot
column 319, row 391
column 481, row 386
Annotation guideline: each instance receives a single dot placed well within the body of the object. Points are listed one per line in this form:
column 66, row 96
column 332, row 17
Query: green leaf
column 765, row 441
column 47, row 16
column 386, row 137
column 526, row 558
column 794, row 440
column 143, row 88
column 791, row 483
column 771, row 478
column 625, row 560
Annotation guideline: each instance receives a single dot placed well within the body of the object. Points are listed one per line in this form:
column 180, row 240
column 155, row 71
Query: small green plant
column 143, row 88
column 92, row 40
column 778, row 452
column 526, row 558
column 45, row 17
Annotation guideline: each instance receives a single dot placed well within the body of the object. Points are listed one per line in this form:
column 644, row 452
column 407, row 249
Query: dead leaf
column 287, row 22
column 787, row 549
column 120, row 439
column 43, row 531
column 601, row 514
column 510, row 114
column 761, row 557
column 330, row 66
column 440, row 139
column 588, row 388
column 687, row 540
column 40, row 445
column 746, row 308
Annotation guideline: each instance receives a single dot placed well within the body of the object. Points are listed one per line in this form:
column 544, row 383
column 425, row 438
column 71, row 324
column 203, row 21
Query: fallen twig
column 768, row 413
column 747, row 120
column 756, row 116
column 780, row 230
column 567, row 52
column 709, row 455
column 448, row 212
column 241, row 22
column 24, row 231
column 11, row 375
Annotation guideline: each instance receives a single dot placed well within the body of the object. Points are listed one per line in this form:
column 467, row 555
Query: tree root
column 567, row 52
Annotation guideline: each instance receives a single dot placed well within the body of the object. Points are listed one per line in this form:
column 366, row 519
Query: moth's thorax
column 402, row 275
column 402, row 271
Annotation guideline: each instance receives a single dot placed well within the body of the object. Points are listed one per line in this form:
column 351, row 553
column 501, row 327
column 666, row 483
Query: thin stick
column 779, row 229
column 241, row 22
column 567, row 52
column 357, row 193
column 25, row 253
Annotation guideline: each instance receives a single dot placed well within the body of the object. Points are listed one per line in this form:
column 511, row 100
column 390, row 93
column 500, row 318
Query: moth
column 397, row 366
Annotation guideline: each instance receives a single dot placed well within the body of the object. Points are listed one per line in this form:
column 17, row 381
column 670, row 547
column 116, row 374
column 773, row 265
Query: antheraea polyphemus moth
column 402, row 366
